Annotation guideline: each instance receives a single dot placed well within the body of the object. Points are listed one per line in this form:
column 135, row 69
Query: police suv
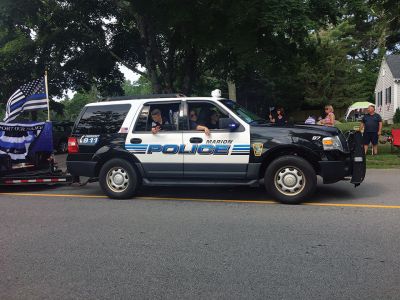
column 205, row 141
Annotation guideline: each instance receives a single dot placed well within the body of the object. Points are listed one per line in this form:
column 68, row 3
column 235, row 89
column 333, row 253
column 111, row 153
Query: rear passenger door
column 158, row 153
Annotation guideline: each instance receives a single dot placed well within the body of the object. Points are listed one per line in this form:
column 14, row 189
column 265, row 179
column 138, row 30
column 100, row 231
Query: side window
column 204, row 114
column 164, row 115
column 141, row 123
column 104, row 119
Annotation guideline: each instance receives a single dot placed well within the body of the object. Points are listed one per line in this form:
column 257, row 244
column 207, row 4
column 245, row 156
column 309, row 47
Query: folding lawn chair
column 395, row 139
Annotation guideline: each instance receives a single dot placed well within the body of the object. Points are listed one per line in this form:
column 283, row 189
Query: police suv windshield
column 244, row 114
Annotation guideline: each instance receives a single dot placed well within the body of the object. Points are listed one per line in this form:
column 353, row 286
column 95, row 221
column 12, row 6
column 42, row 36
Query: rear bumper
column 82, row 168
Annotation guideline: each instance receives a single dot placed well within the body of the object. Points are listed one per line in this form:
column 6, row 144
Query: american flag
column 30, row 96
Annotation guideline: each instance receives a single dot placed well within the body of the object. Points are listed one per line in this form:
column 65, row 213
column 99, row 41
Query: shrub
column 396, row 117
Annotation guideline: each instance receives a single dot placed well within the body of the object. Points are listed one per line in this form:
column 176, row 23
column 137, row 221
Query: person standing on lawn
column 372, row 125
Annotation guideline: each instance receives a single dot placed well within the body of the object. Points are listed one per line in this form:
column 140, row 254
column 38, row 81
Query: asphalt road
column 71, row 242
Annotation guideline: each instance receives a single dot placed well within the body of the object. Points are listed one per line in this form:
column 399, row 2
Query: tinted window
column 102, row 119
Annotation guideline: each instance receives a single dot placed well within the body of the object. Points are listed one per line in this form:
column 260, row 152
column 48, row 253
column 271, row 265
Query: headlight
column 332, row 143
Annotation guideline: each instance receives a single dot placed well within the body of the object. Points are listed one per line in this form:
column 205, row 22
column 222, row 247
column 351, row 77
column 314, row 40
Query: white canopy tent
column 357, row 106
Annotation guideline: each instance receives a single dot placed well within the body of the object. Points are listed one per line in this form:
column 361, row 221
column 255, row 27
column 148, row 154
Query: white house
column 387, row 88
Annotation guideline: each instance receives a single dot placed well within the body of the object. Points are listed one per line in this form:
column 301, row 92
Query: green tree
column 83, row 41
column 140, row 87
column 72, row 107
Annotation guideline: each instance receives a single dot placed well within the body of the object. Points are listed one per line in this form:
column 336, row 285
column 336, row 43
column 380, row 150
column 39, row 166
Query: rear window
column 103, row 119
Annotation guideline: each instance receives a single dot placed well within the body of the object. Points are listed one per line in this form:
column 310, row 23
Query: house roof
column 393, row 62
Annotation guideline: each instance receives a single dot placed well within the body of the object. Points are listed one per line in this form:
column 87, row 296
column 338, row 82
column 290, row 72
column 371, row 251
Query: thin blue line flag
column 30, row 96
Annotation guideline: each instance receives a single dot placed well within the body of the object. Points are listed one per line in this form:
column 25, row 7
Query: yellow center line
column 53, row 195
column 207, row 200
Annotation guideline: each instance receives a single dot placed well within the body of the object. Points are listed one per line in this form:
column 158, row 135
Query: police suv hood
column 322, row 130
column 309, row 136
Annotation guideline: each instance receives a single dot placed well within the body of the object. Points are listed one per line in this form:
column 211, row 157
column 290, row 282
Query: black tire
column 290, row 179
column 119, row 171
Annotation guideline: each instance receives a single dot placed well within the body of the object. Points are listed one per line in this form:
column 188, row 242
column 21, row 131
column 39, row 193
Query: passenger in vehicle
column 157, row 121
column 193, row 123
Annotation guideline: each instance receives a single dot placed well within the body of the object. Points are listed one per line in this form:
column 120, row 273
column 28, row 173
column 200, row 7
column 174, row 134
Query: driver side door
column 223, row 154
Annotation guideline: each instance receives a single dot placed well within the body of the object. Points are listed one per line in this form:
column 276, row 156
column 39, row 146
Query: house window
column 379, row 98
column 388, row 96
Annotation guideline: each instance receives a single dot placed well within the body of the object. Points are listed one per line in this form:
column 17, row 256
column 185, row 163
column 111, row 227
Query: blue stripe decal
column 136, row 148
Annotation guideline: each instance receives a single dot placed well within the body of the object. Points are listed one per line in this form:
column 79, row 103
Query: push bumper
column 353, row 166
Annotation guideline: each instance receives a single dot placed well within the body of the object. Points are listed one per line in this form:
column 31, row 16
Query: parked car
column 61, row 132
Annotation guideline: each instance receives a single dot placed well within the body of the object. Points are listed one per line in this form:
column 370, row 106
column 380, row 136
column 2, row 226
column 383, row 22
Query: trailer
column 27, row 155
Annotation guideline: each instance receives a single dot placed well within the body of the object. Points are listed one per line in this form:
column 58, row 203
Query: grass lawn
column 385, row 159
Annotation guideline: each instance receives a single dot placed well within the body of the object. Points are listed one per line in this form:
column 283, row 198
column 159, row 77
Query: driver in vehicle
column 157, row 121
column 209, row 118
column 193, row 123
column 214, row 120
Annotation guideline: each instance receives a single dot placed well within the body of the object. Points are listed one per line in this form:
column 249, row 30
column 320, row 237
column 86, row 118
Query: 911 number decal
column 88, row 139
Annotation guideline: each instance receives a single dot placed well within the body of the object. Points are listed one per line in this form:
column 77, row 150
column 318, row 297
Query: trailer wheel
column 119, row 179
column 290, row 179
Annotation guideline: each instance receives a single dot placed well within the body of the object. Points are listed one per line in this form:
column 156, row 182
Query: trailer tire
column 119, row 179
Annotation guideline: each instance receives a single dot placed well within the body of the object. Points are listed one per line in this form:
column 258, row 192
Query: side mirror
column 228, row 123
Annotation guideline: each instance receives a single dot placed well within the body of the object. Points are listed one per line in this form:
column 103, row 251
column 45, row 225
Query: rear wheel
column 119, row 179
column 290, row 179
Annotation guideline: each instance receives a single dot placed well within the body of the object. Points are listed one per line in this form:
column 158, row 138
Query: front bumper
column 354, row 164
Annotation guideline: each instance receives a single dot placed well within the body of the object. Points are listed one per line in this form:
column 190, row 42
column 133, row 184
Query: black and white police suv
column 121, row 143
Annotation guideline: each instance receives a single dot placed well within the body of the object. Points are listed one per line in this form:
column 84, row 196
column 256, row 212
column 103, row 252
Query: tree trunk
column 189, row 71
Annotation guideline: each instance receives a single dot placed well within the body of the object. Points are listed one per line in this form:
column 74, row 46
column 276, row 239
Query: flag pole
column 47, row 95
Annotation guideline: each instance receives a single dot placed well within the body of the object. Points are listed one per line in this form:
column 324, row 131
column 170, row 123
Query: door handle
column 196, row 140
column 136, row 141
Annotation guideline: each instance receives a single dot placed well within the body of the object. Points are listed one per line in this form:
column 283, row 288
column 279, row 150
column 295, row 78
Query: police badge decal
column 257, row 148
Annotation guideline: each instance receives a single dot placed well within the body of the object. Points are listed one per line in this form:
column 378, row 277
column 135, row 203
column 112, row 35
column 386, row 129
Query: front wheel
column 290, row 179
column 118, row 179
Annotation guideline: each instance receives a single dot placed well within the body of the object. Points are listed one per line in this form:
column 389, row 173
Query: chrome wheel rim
column 117, row 179
column 290, row 181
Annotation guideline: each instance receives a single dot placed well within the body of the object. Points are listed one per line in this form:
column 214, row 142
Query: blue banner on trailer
column 21, row 141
